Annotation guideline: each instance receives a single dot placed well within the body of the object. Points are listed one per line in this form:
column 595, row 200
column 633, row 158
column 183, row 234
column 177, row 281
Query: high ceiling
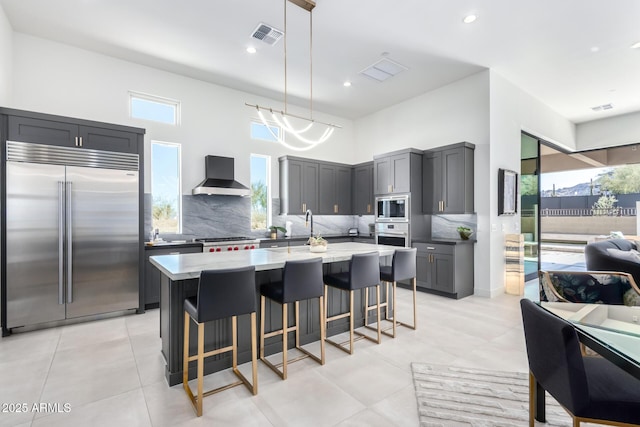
column 570, row 54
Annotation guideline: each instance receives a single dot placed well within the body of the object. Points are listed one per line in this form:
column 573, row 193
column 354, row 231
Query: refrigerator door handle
column 61, row 242
column 69, row 245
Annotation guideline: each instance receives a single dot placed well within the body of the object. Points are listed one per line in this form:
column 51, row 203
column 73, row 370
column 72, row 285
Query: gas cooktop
column 223, row 239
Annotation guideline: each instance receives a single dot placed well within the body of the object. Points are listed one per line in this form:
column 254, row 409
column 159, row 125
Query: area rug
column 454, row 396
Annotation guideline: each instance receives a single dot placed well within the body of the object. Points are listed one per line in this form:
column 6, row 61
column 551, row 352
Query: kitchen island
column 179, row 280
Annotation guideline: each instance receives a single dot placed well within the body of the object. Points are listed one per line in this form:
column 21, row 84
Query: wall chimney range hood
column 219, row 178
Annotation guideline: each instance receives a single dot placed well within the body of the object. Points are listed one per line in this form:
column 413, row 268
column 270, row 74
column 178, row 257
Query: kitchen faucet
column 306, row 220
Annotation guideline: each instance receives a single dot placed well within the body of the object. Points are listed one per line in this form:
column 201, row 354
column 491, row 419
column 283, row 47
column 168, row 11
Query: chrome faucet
column 306, row 220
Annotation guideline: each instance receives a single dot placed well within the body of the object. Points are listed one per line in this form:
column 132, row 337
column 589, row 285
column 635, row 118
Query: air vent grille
column 602, row 107
column 267, row 34
column 383, row 69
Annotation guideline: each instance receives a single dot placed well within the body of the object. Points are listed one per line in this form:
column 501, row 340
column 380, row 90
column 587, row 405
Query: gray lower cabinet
column 273, row 244
column 447, row 186
column 446, row 269
column 152, row 274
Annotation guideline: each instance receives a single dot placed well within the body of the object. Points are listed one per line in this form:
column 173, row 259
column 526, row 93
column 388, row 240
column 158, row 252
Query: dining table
column 612, row 331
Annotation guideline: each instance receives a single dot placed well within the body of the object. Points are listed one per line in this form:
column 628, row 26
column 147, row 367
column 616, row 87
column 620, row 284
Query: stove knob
column 235, row 248
column 246, row 247
column 218, row 249
column 212, row 250
column 252, row 247
column 229, row 248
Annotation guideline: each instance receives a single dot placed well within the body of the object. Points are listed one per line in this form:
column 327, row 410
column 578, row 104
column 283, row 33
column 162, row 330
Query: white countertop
column 189, row 266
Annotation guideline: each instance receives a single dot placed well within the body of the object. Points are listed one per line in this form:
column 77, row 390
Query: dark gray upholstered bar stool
column 301, row 280
column 403, row 267
column 364, row 272
column 221, row 294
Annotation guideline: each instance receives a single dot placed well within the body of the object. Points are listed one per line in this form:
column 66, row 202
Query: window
column 154, row 108
column 260, row 191
column 260, row 131
column 166, row 207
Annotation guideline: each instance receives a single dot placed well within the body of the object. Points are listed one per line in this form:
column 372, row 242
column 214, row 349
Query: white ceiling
column 542, row 46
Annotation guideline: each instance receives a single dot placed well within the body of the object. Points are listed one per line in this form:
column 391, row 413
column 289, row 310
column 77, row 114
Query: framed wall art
column 507, row 192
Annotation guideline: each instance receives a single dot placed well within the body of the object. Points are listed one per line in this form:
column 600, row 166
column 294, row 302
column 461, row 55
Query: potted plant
column 274, row 231
column 317, row 244
column 465, row 232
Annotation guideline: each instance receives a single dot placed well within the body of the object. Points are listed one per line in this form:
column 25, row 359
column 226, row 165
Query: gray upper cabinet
column 393, row 172
column 298, row 185
column 69, row 134
column 363, row 189
column 335, row 189
column 447, row 186
column 323, row 187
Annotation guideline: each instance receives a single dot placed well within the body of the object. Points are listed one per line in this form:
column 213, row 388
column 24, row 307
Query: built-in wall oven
column 392, row 233
column 392, row 208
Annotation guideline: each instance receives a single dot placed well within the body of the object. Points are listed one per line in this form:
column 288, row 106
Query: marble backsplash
column 445, row 226
column 225, row 216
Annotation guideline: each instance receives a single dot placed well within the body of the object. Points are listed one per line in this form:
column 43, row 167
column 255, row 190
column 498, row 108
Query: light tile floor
column 110, row 372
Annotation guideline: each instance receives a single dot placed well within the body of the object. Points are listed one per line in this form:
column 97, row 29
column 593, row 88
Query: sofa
column 614, row 255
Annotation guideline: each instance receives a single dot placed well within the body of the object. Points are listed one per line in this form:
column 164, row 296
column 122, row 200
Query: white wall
column 453, row 113
column 512, row 110
column 59, row 79
column 6, row 64
column 610, row 132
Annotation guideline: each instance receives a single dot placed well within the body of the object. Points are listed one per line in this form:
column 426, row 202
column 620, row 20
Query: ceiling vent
column 383, row 69
column 602, row 107
column 267, row 34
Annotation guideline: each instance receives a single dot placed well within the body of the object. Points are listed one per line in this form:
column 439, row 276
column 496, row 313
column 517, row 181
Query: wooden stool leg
column 254, row 355
column 262, row 316
column 285, row 325
column 393, row 291
column 351, row 322
column 200, row 368
column 366, row 306
column 323, row 333
column 415, row 305
column 185, row 353
column 379, row 320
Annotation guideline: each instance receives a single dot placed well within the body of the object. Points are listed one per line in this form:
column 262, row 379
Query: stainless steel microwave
column 392, row 208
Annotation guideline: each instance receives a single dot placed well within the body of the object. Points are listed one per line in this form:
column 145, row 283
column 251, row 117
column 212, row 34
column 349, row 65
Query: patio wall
column 596, row 225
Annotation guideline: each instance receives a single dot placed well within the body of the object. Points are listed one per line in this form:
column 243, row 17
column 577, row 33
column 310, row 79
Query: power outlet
column 635, row 319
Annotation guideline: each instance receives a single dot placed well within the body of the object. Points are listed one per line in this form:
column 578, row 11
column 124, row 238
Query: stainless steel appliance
column 392, row 208
column 393, row 234
column 72, row 233
column 226, row 244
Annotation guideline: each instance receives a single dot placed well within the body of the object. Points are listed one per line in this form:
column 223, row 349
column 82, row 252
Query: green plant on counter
column 318, row 240
column 276, row 228
column 465, row 232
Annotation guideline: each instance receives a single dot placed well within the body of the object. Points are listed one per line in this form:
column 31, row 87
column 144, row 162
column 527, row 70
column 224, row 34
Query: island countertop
column 189, row 266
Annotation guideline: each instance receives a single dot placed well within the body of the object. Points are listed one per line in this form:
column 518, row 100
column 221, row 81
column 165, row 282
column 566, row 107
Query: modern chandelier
column 281, row 117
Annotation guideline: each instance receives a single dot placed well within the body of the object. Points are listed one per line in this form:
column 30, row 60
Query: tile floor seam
column 44, row 383
column 135, row 360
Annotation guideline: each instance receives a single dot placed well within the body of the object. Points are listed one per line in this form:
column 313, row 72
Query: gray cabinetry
column 298, row 185
column 51, row 132
column 396, row 172
column 334, row 189
column 363, row 189
column 446, row 269
column 448, row 180
column 152, row 274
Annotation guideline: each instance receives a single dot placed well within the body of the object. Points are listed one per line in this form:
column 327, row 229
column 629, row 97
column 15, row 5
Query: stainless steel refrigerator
column 72, row 233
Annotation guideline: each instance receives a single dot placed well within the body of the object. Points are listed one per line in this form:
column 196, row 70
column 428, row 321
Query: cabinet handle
column 80, row 141
column 335, row 208
column 174, row 253
column 390, row 188
column 431, row 248
column 369, row 208
column 77, row 142
column 304, row 207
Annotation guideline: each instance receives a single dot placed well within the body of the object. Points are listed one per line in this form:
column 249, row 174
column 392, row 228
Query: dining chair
column 590, row 389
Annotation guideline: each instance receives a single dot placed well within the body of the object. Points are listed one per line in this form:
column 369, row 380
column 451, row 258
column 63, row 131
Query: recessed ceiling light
column 636, row 45
column 251, row 49
column 347, row 84
column 595, row 49
column 469, row 19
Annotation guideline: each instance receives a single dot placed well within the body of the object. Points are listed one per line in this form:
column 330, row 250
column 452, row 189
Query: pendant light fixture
column 281, row 117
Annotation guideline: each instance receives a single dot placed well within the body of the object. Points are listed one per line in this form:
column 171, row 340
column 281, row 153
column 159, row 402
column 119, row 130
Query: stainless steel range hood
column 219, row 178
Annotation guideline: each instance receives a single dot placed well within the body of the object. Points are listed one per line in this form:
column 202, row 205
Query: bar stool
column 301, row 280
column 364, row 272
column 403, row 267
column 221, row 294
